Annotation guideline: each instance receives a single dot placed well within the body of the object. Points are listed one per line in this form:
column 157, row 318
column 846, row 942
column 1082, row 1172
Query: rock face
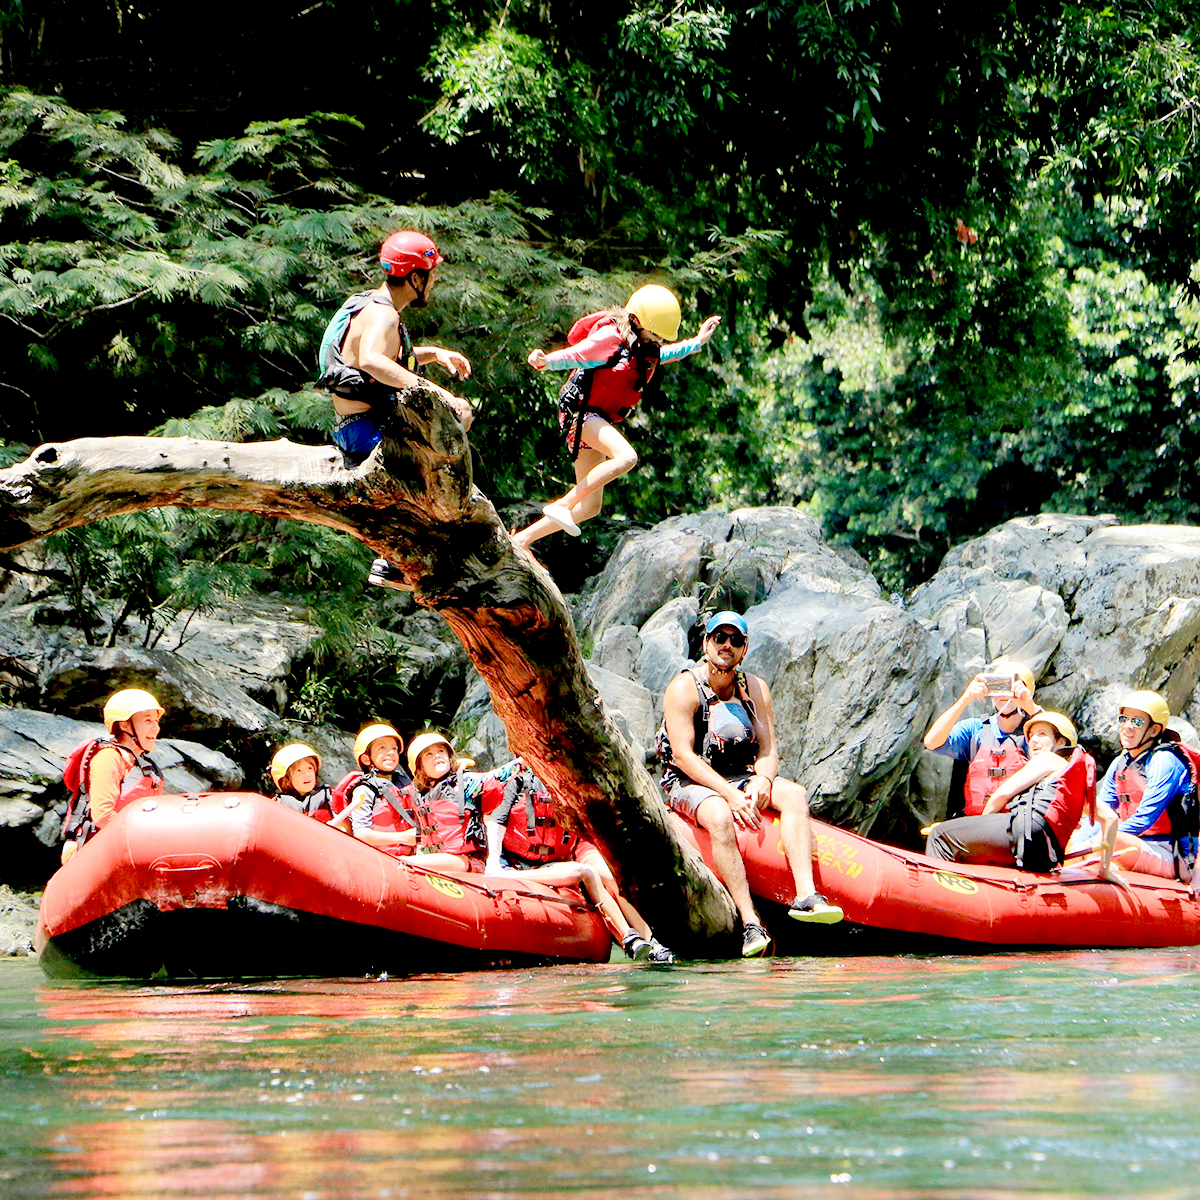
column 851, row 675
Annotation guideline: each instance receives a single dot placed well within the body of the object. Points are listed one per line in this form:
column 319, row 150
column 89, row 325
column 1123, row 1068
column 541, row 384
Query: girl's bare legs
column 587, row 879
column 441, row 862
column 594, row 859
column 604, row 455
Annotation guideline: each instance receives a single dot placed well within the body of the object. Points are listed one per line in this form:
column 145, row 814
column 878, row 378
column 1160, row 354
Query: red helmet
column 407, row 251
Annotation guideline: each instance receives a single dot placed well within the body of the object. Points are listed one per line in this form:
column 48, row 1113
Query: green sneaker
column 754, row 941
column 816, row 910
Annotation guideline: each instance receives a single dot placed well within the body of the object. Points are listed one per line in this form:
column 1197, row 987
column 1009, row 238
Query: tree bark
column 414, row 503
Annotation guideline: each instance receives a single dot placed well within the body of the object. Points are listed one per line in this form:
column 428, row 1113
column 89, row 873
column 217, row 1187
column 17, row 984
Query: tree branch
column 413, row 501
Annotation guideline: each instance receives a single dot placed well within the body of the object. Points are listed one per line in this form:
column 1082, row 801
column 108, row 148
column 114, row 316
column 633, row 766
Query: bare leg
column 790, row 800
column 594, row 859
column 715, row 815
column 442, row 862
column 604, row 455
column 588, row 879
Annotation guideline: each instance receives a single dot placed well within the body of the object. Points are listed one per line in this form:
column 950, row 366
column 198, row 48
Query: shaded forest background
column 955, row 251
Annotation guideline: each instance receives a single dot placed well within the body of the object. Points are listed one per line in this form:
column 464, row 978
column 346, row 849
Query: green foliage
column 955, row 253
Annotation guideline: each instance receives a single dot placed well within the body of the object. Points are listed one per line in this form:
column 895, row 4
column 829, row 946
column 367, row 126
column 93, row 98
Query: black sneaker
column 659, row 953
column 816, row 910
column 384, row 574
column 755, row 941
column 637, row 948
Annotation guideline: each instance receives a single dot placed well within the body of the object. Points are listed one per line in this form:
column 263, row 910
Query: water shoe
column 816, row 910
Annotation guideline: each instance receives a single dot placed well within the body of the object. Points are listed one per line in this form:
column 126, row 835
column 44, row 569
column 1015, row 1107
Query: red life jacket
column 1053, row 807
column 614, row 388
column 143, row 778
column 1130, row 785
column 1179, row 819
column 390, row 803
column 994, row 761
column 533, row 832
column 449, row 822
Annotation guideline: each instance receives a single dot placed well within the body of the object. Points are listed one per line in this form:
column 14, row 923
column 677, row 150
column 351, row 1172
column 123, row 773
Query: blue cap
column 732, row 619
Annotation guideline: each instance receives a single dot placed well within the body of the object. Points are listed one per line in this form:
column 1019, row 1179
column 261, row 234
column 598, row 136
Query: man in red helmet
column 366, row 357
column 366, row 353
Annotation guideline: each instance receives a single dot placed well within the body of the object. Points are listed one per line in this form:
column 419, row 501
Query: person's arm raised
column 939, row 731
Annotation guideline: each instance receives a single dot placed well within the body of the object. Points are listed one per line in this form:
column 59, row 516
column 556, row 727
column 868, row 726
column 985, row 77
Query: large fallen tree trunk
column 414, row 503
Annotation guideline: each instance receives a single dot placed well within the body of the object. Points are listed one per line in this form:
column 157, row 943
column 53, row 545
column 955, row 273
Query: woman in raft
column 1030, row 817
column 611, row 356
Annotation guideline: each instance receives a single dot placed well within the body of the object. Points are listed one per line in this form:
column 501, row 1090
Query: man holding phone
column 721, row 762
column 993, row 747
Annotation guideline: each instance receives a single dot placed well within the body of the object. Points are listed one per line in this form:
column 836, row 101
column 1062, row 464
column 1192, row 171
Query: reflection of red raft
column 233, row 884
column 897, row 892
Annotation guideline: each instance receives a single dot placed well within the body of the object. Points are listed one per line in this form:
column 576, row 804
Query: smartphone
column 1000, row 685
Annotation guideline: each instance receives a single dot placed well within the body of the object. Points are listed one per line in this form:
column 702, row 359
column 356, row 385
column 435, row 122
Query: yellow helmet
column 657, row 310
column 1056, row 721
column 122, row 705
column 1010, row 666
column 421, row 743
column 372, row 733
column 1151, row 703
column 286, row 757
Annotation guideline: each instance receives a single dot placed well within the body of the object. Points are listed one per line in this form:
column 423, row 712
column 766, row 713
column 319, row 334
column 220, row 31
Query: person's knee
column 627, row 460
column 715, row 815
column 789, row 796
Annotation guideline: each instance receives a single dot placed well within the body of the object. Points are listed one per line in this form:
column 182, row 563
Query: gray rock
column 78, row 681
column 18, row 921
column 647, row 570
column 617, row 650
column 664, row 639
column 629, row 704
column 851, row 679
column 254, row 643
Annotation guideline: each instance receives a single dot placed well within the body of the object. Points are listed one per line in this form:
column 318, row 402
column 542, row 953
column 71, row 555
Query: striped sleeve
column 592, row 352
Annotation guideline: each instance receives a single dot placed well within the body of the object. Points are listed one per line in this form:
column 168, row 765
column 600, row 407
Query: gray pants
column 982, row 839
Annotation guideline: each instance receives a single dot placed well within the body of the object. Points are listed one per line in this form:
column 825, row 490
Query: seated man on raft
column 1151, row 784
column 721, row 770
column 1029, row 819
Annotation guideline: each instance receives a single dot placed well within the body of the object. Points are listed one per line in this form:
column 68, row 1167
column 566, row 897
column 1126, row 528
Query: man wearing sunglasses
column 721, row 764
column 1146, row 784
column 986, row 750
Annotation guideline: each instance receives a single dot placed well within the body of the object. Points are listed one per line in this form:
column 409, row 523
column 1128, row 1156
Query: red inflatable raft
column 897, row 900
column 232, row 884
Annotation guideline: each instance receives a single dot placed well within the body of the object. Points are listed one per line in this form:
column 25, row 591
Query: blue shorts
column 356, row 436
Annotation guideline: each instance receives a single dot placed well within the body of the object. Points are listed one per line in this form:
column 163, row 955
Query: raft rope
column 1016, row 885
column 496, row 893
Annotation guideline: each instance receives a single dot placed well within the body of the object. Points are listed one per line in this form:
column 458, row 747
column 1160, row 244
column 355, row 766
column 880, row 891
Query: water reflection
column 1064, row 1074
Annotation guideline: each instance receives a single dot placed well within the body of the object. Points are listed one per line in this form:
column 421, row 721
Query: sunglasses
column 1136, row 722
column 720, row 636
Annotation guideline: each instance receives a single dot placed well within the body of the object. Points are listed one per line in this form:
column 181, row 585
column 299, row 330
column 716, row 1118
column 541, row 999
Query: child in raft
column 611, row 355
column 295, row 771
column 525, row 834
column 379, row 811
column 1029, row 819
column 447, row 804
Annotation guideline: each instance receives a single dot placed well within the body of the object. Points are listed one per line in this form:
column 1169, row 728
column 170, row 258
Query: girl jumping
column 611, row 356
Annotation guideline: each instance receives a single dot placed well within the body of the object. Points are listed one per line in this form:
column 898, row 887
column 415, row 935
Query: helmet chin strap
column 1146, row 739
column 131, row 733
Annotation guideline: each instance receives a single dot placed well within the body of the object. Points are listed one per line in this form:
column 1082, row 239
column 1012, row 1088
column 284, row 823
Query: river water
column 1069, row 1074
